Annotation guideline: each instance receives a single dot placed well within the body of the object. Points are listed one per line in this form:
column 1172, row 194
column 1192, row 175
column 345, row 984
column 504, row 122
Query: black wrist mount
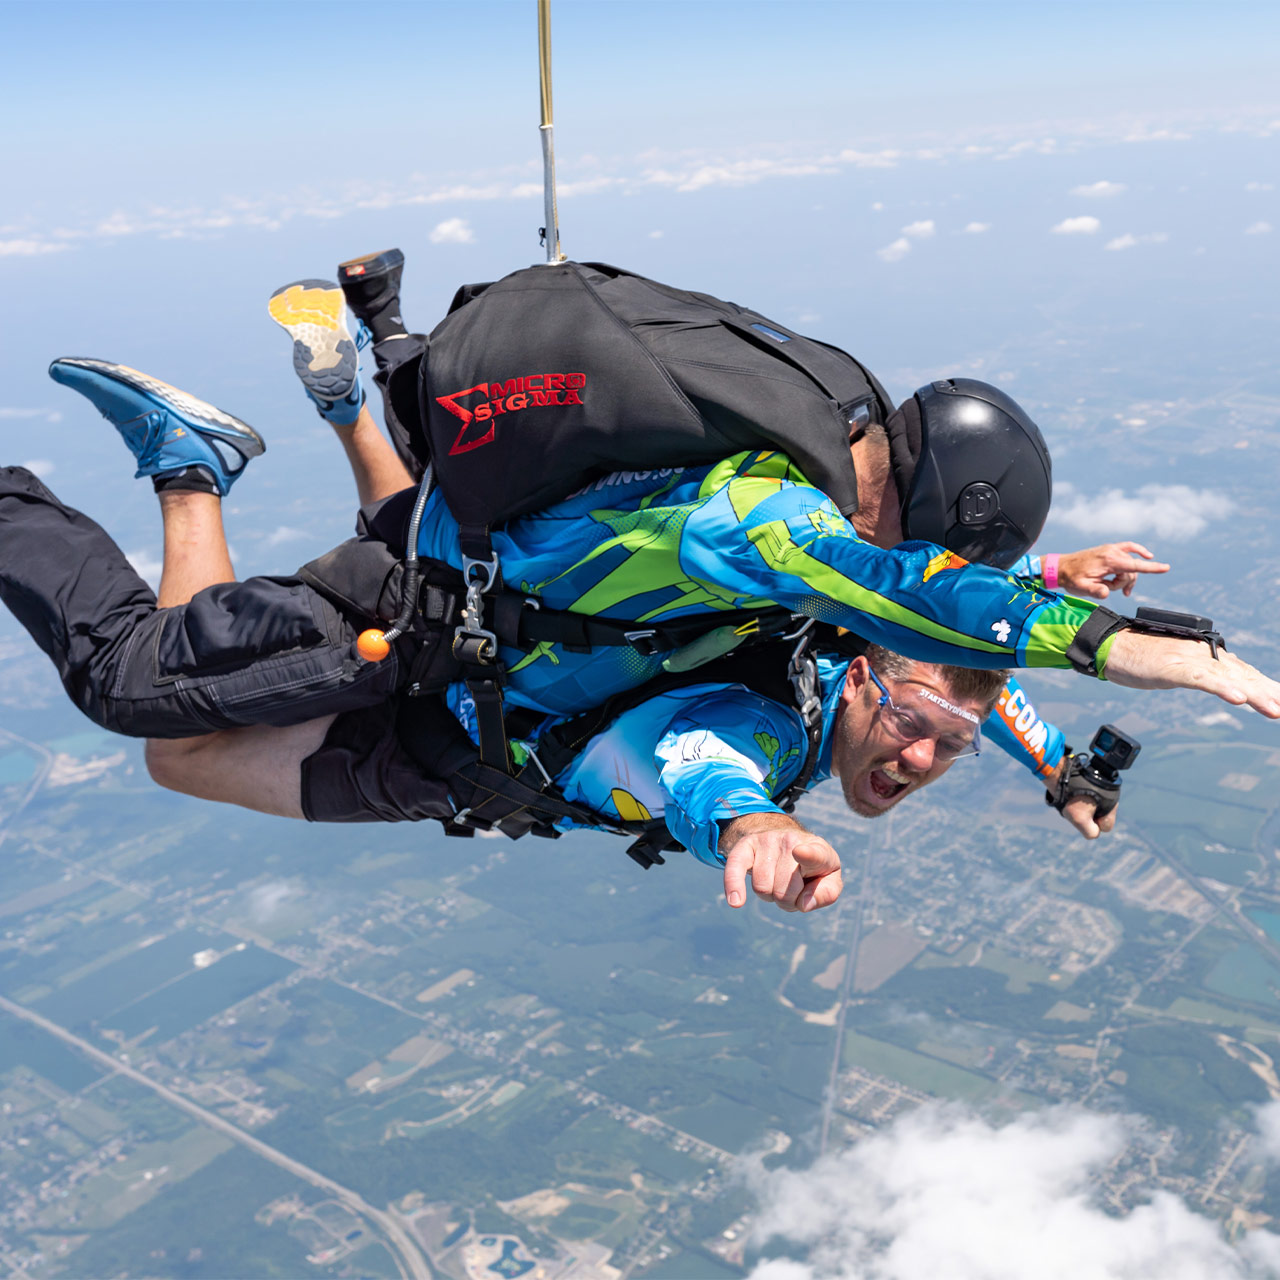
column 1095, row 773
column 1103, row 623
column 1078, row 779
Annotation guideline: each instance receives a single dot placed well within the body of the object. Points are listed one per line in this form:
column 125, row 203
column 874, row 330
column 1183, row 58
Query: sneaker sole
column 324, row 353
column 206, row 418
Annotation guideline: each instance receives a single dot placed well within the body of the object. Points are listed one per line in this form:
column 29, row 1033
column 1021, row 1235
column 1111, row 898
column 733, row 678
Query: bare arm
column 1161, row 662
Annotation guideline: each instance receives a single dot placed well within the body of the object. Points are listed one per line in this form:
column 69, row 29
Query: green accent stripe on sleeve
column 781, row 555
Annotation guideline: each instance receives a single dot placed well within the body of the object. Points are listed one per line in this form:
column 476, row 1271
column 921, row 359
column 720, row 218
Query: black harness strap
column 523, row 623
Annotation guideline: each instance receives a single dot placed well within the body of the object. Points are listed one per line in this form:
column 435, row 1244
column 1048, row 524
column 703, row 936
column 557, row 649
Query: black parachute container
column 534, row 385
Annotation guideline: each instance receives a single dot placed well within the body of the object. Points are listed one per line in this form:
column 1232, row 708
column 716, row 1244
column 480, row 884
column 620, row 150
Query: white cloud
column 655, row 235
column 49, row 415
column 886, row 159
column 738, row 173
column 893, row 252
column 282, row 534
column 1175, row 512
column 452, row 231
column 1211, row 718
column 1258, row 229
column 1099, row 190
column 146, row 566
column 1259, row 186
column 878, row 206
column 1267, row 1115
column 976, row 228
column 28, row 248
column 1085, row 225
column 921, row 230
column 1144, row 133
column 41, row 467
column 265, row 900
column 943, row 1192
column 1128, row 240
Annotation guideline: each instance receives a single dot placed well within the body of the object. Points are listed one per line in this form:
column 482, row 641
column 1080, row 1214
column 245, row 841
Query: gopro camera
column 1177, row 621
column 1111, row 751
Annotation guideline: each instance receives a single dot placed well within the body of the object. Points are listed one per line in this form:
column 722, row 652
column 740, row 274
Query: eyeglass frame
column 940, row 752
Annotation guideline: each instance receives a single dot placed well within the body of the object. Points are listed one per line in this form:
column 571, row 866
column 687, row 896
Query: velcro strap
column 490, row 724
column 1082, row 653
column 513, row 795
column 437, row 605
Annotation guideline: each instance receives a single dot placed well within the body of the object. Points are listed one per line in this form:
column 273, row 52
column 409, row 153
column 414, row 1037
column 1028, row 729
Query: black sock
column 187, row 480
column 385, row 321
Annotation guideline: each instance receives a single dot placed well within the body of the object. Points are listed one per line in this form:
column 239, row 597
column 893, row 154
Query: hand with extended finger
column 789, row 866
column 1113, row 566
column 1139, row 661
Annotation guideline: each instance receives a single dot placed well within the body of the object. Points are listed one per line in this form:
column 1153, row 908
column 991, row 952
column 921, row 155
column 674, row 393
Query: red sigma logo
column 533, row 391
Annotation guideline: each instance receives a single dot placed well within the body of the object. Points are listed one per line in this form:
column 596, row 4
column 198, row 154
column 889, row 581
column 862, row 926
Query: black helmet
column 973, row 471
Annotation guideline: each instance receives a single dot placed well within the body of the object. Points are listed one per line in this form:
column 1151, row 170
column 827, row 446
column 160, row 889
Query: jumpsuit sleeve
column 1028, row 567
column 725, row 755
column 775, row 539
column 1016, row 728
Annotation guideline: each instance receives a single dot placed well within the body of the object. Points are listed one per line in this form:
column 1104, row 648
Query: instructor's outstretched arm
column 1161, row 662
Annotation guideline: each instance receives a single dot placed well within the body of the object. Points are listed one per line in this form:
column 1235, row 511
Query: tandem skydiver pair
column 651, row 549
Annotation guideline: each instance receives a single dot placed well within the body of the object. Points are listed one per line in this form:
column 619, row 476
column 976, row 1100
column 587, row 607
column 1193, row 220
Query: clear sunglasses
column 911, row 725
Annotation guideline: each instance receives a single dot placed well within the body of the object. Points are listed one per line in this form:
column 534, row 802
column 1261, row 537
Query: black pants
column 263, row 651
column 399, row 361
column 270, row 650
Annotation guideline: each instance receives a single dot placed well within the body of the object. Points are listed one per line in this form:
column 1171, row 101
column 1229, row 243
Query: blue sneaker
column 166, row 429
column 325, row 356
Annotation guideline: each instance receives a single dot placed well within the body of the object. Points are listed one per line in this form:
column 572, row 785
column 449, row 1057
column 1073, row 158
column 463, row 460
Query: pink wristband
column 1049, row 571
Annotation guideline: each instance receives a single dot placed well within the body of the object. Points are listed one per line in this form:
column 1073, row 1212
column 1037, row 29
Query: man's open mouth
column 887, row 784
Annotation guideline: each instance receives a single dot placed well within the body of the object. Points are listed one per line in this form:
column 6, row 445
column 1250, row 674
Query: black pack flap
column 534, row 385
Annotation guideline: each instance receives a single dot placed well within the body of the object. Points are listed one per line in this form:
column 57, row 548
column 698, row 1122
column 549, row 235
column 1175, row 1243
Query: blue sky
column 979, row 188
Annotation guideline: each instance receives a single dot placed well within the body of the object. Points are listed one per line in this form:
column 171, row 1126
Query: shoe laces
column 153, row 436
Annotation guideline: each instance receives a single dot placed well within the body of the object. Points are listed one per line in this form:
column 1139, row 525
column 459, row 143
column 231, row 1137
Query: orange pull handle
column 372, row 645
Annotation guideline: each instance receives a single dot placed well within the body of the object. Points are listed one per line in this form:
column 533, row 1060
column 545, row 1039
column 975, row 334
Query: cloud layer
column 944, row 1193
column 686, row 171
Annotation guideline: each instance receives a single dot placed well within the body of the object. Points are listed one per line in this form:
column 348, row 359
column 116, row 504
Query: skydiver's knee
column 173, row 762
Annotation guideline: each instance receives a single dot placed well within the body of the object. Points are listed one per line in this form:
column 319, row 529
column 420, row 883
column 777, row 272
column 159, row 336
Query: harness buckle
column 803, row 675
column 645, row 643
column 481, row 572
column 473, row 644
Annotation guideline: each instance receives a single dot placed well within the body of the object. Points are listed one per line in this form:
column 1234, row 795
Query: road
column 411, row 1261
column 36, row 783
column 851, row 963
